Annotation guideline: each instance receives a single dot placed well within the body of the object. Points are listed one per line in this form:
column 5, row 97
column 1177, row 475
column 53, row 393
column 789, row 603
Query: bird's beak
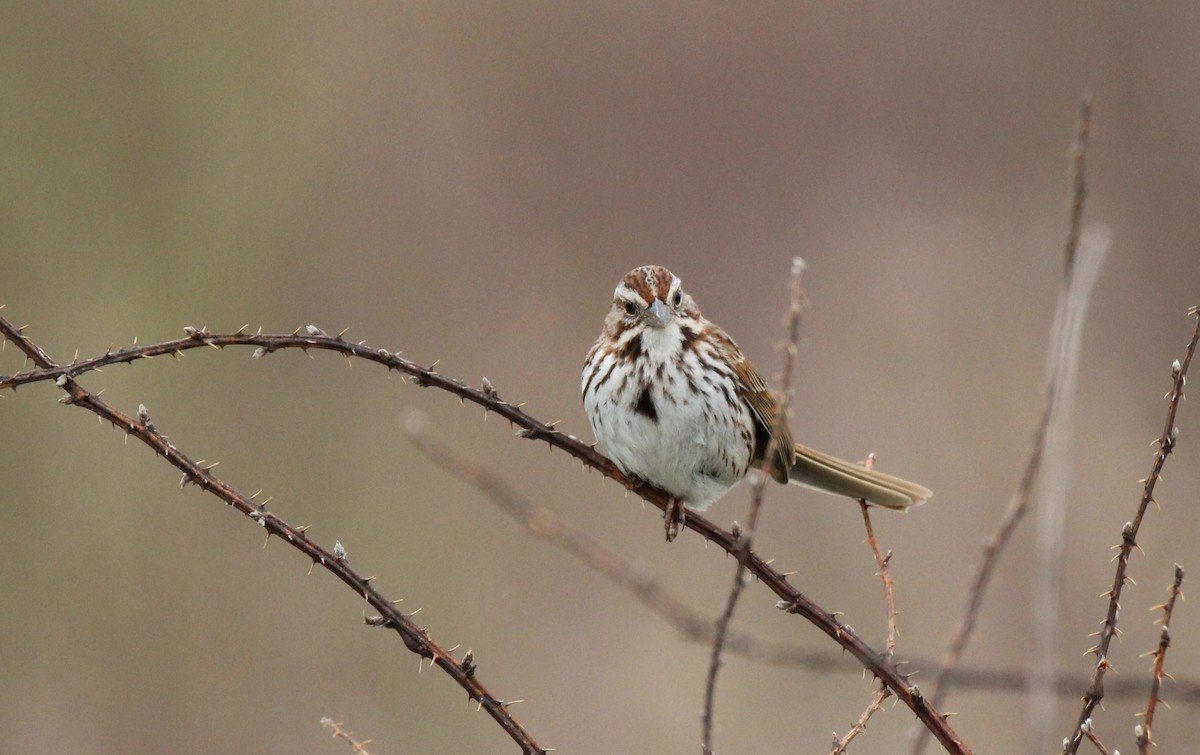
column 658, row 315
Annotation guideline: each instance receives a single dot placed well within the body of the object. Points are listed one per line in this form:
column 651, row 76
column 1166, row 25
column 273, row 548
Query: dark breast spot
column 645, row 405
column 632, row 349
column 689, row 339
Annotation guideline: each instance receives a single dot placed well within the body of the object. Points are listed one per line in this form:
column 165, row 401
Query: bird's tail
column 828, row 474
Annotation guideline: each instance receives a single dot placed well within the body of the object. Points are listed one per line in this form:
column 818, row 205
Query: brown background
column 468, row 182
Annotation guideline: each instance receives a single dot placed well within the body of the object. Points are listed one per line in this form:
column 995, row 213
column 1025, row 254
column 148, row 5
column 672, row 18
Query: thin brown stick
column 1089, row 731
column 335, row 728
column 757, row 493
column 1079, row 195
column 415, row 638
column 1018, row 504
column 1129, row 533
column 1143, row 732
column 791, row 599
column 841, row 745
column 883, row 564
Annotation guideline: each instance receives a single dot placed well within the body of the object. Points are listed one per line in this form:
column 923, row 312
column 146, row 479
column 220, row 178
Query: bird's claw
column 673, row 517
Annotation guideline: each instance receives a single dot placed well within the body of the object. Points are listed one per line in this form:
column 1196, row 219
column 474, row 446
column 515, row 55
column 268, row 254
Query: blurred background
column 467, row 182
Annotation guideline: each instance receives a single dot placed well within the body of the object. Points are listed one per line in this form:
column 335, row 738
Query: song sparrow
column 673, row 402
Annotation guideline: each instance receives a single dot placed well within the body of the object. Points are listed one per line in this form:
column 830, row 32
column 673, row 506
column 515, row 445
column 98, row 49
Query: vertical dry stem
column 758, row 490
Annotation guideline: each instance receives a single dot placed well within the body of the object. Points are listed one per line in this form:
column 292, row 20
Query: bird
column 674, row 402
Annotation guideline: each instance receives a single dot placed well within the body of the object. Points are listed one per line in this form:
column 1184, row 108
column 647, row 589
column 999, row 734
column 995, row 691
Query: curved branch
column 415, row 638
column 791, row 599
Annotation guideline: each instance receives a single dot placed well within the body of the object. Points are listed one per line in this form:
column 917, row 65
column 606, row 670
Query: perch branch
column 791, row 600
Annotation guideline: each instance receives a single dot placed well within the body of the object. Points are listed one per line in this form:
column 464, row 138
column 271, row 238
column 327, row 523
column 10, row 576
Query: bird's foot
column 673, row 518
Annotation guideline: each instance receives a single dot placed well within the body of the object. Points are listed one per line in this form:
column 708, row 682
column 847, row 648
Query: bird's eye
column 630, row 308
column 678, row 298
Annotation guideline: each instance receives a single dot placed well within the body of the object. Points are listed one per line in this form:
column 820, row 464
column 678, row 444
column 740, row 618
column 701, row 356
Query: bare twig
column 840, row 745
column 791, row 599
column 1166, row 444
column 335, row 728
column 1079, row 195
column 1144, row 736
column 883, row 564
column 1089, row 731
column 1086, row 254
column 415, row 638
column 1057, row 366
column 757, row 492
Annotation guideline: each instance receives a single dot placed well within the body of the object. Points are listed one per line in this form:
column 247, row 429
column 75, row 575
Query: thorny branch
column 883, row 564
column 415, row 638
column 1143, row 732
column 1129, row 533
column 757, row 493
column 791, row 599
